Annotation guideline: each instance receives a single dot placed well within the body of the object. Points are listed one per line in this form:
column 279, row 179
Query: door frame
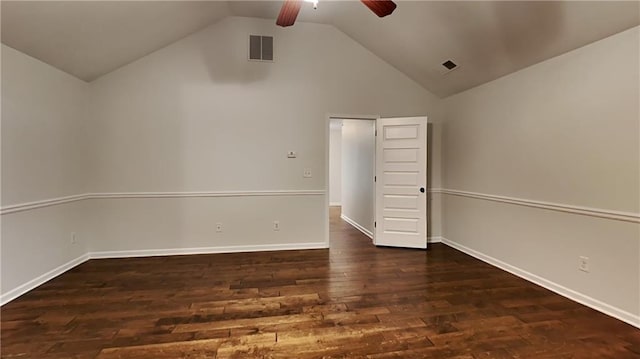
column 327, row 179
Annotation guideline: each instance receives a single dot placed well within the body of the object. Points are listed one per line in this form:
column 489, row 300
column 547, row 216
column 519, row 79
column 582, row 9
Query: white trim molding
column 43, row 203
column 357, row 226
column 122, row 195
column 206, row 250
column 584, row 299
column 32, row 284
column 560, row 207
column 272, row 193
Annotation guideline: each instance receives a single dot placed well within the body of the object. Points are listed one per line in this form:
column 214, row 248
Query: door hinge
column 374, row 179
column 376, row 132
column 374, row 224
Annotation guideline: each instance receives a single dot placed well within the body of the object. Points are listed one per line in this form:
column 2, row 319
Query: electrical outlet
column 218, row 227
column 73, row 238
column 276, row 225
column 307, row 173
column 583, row 264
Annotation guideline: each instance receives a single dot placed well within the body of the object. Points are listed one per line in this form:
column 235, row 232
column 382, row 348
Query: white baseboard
column 32, row 284
column 20, row 290
column 630, row 318
column 335, row 204
column 365, row 231
column 434, row 239
column 206, row 250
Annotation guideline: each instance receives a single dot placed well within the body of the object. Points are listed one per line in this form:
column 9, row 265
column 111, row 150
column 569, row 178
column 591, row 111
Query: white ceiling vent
column 260, row 48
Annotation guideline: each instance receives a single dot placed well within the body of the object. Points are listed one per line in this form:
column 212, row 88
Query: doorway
column 351, row 172
column 377, row 171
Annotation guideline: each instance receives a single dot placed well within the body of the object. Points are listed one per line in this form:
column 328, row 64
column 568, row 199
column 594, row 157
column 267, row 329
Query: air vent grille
column 260, row 48
column 450, row 65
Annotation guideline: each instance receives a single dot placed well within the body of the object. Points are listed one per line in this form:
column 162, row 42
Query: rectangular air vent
column 260, row 48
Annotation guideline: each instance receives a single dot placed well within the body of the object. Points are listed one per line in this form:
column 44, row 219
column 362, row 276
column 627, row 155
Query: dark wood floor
column 352, row 301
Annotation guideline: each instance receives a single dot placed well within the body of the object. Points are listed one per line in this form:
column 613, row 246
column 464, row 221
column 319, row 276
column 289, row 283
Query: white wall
column 43, row 157
column 184, row 138
column 564, row 131
column 43, row 121
column 335, row 162
column 358, row 169
column 197, row 116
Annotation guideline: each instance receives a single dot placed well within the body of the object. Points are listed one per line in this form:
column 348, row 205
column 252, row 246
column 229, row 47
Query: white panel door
column 401, row 182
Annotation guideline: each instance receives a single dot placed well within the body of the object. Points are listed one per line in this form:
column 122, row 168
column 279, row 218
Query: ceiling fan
column 291, row 8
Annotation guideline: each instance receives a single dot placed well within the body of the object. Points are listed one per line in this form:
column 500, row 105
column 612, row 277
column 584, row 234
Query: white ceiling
column 487, row 39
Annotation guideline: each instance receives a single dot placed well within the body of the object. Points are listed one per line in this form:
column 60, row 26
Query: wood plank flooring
column 353, row 301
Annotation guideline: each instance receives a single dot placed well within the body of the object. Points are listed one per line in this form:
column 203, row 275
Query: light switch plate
column 292, row 154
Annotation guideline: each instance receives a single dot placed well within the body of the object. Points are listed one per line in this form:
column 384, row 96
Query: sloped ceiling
column 487, row 39
column 91, row 38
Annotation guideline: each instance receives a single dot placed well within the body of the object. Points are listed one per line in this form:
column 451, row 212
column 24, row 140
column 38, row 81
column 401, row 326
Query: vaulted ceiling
column 487, row 39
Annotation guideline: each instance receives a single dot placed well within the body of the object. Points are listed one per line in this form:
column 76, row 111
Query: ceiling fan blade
column 289, row 12
column 381, row 8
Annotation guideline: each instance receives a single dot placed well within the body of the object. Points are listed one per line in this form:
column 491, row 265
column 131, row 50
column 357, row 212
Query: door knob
column 421, row 189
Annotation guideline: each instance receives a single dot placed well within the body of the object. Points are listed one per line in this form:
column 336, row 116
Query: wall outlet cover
column 583, row 264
